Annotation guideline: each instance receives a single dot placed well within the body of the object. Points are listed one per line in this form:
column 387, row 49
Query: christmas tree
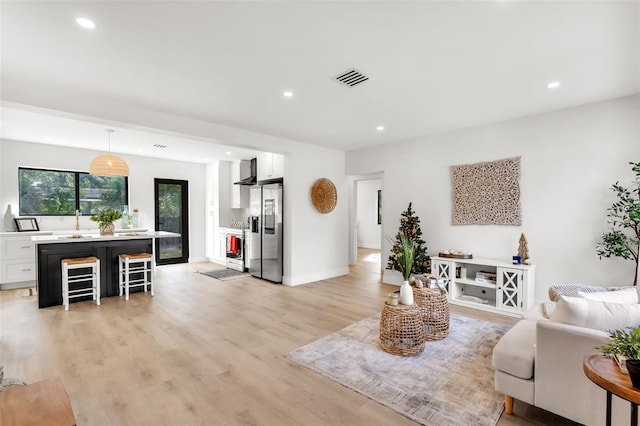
column 523, row 249
column 410, row 227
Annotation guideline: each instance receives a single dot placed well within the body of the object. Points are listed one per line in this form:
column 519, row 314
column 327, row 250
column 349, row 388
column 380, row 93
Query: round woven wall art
column 324, row 195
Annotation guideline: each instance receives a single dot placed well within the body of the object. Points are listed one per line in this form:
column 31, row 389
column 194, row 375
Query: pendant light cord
column 109, row 131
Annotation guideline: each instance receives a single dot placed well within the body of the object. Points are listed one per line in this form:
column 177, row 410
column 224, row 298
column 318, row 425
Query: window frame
column 76, row 183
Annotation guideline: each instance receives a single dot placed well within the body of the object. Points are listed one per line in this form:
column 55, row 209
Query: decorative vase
column 9, row 224
column 107, row 228
column 633, row 365
column 406, row 293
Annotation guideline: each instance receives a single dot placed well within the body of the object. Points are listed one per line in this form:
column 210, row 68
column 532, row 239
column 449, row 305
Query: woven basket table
column 402, row 330
column 434, row 309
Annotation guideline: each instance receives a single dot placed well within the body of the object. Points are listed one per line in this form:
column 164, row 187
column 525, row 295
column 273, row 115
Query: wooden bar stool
column 82, row 284
column 135, row 270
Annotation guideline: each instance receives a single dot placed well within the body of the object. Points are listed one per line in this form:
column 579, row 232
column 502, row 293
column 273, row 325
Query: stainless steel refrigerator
column 265, row 247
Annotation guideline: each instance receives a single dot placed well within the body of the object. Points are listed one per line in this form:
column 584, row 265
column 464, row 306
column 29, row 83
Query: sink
column 74, row 237
column 133, row 234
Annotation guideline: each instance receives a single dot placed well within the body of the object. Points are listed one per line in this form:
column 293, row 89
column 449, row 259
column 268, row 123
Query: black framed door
column 172, row 215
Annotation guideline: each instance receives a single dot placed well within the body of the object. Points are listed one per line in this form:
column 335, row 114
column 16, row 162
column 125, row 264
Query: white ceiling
column 436, row 66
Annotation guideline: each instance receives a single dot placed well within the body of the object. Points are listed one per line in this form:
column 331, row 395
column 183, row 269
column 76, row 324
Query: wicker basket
column 434, row 309
column 402, row 330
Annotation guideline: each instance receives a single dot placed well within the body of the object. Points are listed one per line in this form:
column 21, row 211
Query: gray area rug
column 224, row 274
column 450, row 383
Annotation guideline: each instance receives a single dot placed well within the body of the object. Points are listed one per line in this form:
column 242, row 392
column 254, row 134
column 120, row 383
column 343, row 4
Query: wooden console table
column 604, row 372
column 41, row 403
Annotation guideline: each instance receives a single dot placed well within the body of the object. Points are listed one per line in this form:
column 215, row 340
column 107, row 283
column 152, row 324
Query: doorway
column 171, row 199
column 366, row 220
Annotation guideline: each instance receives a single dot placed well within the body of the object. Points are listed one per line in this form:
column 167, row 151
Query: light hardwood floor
column 206, row 352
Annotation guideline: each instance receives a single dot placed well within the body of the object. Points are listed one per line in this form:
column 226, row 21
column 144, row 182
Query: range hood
column 252, row 179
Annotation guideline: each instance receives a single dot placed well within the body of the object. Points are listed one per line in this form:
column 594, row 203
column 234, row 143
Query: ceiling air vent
column 159, row 145
column 351, row 77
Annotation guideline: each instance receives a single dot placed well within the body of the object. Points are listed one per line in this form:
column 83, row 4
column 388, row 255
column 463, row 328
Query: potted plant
column 626, row 343
column 105, row 219
column 623, row 238
column 405, row 259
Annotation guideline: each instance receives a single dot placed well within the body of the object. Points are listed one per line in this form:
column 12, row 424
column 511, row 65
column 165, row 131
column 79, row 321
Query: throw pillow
column 557, row 290
column 597, row 315
column 627, row 295
column 548, row 309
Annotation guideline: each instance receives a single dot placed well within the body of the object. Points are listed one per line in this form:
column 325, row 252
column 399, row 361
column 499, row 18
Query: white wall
column 369, row 232
column 570, row 158
column 315, row 244
column 143, row 170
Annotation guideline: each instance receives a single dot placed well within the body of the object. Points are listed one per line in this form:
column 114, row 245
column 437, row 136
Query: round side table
column 402, row 330
column 604, row 372
column 434, row 306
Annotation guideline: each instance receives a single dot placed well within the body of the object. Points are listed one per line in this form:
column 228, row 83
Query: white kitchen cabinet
column 239, row 193
column 270, row 166
column 512, row 293
column 17, row 259
column 222, row 245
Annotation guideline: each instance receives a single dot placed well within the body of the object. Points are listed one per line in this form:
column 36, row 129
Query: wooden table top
column 41, row 403
column 604, row 372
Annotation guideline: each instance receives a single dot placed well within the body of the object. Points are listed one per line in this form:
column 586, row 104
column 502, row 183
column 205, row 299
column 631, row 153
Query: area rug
column 450, row 383
column 224, row 274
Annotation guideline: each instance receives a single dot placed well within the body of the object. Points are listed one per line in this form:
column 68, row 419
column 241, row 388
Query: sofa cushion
column 557, row 290
column 515, row 352
column 596, row 315
column 625, row 295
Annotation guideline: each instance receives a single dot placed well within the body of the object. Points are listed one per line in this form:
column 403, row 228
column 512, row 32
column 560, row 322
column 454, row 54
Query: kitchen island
column 51, row 249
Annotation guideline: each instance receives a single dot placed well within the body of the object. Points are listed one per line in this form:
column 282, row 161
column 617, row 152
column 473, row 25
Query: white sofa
column 539, row 361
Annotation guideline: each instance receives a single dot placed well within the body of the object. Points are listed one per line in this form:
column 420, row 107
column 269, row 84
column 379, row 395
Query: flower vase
column 406, row 293
column 107, row 228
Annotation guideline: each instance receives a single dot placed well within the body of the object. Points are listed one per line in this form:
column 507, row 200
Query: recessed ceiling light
column 49, row 138
column 380, row 128
column 86, row 23
column 287, row 94
column 553, row 85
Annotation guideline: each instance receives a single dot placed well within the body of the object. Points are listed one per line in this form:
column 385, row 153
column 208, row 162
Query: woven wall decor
column 486, row 193
column 324, row 195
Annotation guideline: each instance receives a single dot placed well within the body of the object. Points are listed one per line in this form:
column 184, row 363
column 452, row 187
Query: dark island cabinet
column 50, row 271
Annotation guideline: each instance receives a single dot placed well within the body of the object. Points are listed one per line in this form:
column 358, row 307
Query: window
column 61, row 193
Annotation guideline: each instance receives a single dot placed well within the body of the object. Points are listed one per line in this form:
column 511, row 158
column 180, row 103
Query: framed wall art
column 487, row 193
column 379, row 206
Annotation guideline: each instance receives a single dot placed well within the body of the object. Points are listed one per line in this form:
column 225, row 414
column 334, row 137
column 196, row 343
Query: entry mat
column 224, row 274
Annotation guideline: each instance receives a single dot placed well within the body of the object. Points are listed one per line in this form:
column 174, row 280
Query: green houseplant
column 405, row 259
column 105, row 219
column 623, row 238
column 626, row 342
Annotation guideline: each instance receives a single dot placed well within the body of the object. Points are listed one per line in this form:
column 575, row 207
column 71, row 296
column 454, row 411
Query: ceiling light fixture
column 380, row 128
column 228, row 152
column 287, row 94
column 86, row 23
column 553, row 85
column 109, row 165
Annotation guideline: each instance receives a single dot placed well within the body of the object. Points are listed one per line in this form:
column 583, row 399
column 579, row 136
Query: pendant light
column 108, row 164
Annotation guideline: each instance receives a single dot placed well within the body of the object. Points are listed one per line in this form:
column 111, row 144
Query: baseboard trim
column 310, row 278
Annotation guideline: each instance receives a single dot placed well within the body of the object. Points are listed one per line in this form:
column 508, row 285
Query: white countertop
column 90, row 237
column 24, row 234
